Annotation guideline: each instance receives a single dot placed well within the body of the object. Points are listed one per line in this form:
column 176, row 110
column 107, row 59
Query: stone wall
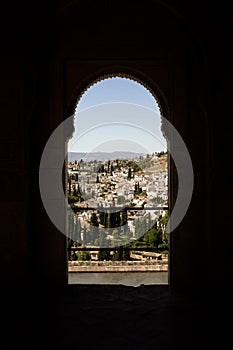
column 116, row 266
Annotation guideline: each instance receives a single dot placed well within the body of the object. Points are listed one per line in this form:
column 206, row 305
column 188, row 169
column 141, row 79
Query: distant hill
column 158, row 164
column 102, row 156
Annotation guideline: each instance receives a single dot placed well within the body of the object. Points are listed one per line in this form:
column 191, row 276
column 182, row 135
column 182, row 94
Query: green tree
column 73, row 256
column 137, row 189
column 102, row 217
column 94, row 220
column 129, row 174
column 124, row 216
column 116, row 238
column 74, row 191
column 127, row 235
column 111, row 220
column 117, row 218
column 102, row 238
column 101, row 169
column 118, row 254
column 83, row 256
column 84, row 240
column 104, row 255
column 126, row 254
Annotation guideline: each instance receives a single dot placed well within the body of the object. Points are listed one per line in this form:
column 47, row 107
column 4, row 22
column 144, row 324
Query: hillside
column 154, row 164
column 159, row 165
column 101, row 156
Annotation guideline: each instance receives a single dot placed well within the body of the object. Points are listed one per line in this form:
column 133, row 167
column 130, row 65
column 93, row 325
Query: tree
column 116, row 237
column 102, row 217
column 127, row 235
column 117, row 218
column 84, row 240
column 162, row 224
column 111, row 220
column 102, row 238
column 124, row 216
column 137, row 189
column 74, row 191
column 129, row 174
column 152, row 238
column 78, row 191
column 118, row 254
column 149, row 223
column 73, row 256
column 83, row 256
column 101, row 169
column 126, row 254
column 104, row 255
column 94, row 220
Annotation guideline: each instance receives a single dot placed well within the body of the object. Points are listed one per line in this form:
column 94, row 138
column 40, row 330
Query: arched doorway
column 117, row 185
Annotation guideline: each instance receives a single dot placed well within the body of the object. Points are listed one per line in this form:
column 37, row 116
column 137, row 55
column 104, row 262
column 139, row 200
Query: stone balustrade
column 117, row 266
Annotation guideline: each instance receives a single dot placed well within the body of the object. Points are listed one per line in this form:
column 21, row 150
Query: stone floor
column 116, row 317
column 134, row 279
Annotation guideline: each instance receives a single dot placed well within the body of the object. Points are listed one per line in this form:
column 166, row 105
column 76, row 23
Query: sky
column 117, row 114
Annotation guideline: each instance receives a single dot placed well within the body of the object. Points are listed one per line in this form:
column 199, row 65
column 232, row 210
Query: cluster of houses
column 116, row 184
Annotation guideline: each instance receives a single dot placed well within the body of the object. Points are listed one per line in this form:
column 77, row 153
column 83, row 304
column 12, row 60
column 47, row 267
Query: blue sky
column 117, row 90
column 117, row 114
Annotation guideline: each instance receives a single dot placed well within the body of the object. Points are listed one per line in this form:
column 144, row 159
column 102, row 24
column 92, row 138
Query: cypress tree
column 129, row 174
column 94, row 220
column 84, row 240
column 74, row 191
